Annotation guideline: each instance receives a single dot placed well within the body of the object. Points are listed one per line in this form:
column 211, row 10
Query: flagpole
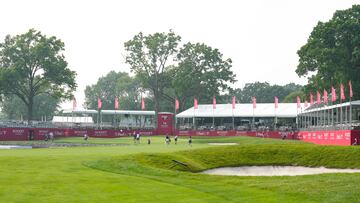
column 350, row 116
column 175, row 119
column 233, row 123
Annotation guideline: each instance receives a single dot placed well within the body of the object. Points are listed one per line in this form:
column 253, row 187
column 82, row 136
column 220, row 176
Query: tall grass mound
column 227, row 156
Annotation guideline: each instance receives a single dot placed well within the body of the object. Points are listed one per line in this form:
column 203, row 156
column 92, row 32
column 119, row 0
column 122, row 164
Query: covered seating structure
column 242, row 117
column 344, row 116
column 115, row 119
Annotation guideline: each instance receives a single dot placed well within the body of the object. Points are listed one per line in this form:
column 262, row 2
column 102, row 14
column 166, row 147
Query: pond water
column 275, row 171
column 14, row 147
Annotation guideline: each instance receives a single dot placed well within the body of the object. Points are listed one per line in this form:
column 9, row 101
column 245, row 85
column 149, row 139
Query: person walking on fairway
column 167, row 139
column 138, row 138
column 86, row 137
column 134, row 134
column 176, row 139
column 190, row 141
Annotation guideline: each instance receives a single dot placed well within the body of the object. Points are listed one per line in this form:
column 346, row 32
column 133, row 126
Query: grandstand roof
column 284, row 110
column 110, row 112
column 322, row 106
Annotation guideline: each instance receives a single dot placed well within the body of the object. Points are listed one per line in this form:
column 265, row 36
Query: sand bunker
column 274, row 171
column 224, row 143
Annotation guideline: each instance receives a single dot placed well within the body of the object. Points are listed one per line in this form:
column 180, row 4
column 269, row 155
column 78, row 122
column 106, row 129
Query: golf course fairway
column 128, row 172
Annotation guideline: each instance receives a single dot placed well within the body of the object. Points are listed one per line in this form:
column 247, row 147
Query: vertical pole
column 350, row 115
column 213, row 123
column 297, row 117
column 341, row 114
column 233, row 122
column 175, row 119
column 253, row 121
column 194, row 120
column 100, row 120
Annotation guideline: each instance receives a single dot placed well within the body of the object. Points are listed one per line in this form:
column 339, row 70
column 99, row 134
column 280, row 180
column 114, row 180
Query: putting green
column 141, row 172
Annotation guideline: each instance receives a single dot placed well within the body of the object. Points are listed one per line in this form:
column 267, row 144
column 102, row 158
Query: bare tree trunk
column 30, row 109
column 157, row 107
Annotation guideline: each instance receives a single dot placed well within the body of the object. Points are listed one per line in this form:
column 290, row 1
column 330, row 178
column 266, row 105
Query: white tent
column 284, row 110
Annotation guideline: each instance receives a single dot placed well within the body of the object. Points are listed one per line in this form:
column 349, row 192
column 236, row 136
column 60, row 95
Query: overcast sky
column 260, row 36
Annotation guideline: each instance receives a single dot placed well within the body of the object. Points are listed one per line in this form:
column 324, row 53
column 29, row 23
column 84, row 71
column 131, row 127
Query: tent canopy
column 284, row 110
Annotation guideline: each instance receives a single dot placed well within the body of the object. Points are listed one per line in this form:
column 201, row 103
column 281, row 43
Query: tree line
column 34, row 76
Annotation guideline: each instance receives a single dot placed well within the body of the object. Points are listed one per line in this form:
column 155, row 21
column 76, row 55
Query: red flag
column 254, row 102
column 177, row 104
column 214, row 103
column 350, row 87
column 333, row 94
column 306, row 103
column 311, row 99
column 342, row 94
column 195, row 103
column 326, row 98
column 233, row 102
column 298, row 101
column 74, row 103
column 99, row 103
column 116, row 103
column 318, row 97
column 276, row 102
column 142, row 104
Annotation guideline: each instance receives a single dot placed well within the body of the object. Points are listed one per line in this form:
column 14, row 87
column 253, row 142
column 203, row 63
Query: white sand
column 219, row 143
column 275, row 171
column 14, row 147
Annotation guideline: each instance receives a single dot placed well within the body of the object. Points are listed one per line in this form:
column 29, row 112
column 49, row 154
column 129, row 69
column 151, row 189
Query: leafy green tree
column 149, row 57
column 15, row 109
column 32, row 64
column 201, row 72
column 264, row 92
column 291, row 98
column 115, row 85
column 332, row 53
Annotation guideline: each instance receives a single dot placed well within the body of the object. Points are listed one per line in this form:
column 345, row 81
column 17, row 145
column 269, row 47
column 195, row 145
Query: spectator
column 176, row 139
column 167, row 139
column 355, row 141
column 86, row 137
column 51, row 135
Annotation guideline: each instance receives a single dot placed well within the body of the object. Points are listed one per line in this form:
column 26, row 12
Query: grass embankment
column 250, row 151
column 259, row 155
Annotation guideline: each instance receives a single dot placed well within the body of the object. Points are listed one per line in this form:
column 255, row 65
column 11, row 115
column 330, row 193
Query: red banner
column 195, row 103
column 318, row 97
column 350, row 87
column 99, row 103
column 326, row 99
column 177, row 104
column 342, row 93
column 298, row 101
column 214, row 103
column 142, row 104
column 116, row 105
column 333, row 94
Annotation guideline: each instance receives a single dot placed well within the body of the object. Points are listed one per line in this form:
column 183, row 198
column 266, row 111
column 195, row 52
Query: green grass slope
column 143, row 173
